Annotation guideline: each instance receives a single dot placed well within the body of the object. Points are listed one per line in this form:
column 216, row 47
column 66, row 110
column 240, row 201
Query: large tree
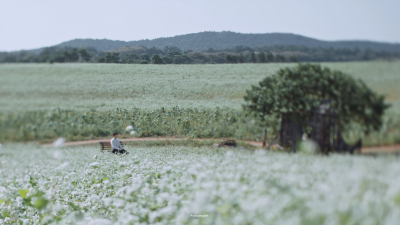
column 156, row 59
column 109, row 57
column 130, row 58
column 261, row 57
column 85, row 56
column 302, row 89
column 270, row 57
column 231, row 58
column 253, row 58
column 145, row 56
column 173, row 50
column 71, row 56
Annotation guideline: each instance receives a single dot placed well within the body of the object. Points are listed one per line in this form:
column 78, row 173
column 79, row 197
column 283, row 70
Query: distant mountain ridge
column 228, row 40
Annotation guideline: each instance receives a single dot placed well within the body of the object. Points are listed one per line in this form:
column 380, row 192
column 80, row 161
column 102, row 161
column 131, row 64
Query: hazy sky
column 38, row 23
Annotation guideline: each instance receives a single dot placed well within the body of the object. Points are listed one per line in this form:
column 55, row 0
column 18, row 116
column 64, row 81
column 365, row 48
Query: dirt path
column 365, row 150
column 89, row 142
column 381, row 149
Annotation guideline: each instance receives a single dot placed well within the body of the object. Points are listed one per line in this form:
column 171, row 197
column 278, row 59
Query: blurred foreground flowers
column 166, row 185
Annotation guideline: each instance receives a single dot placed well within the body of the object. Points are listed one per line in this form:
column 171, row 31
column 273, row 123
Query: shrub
column 302, row 89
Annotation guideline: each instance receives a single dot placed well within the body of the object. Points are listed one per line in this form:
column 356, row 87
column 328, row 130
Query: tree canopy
column 156, row 59
column 239, row 54
column 302, row 89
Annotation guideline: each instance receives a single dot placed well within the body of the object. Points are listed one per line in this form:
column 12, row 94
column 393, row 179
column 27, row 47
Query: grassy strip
column 187, row 142
column 47, row 125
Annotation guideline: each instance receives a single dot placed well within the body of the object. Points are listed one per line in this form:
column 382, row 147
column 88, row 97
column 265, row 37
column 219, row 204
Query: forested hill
column 226, row 40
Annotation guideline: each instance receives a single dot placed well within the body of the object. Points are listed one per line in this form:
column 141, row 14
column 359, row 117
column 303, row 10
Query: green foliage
column 51, row 54
column 280, row 58
column 231, row 59
column 40, row 202
column 181, row 59
column 190, row 122
column 84, row 55
column 167, row 59
column 302, row 89
column 153, row 50
column 156, row 59
column 261, row 57
column 109, row 57
column 253, row 58
column 23, row 193
column 5, row 214
column 127, row 55
column 210, row 50
column 293, row 58
column 190, row 142
column 130, row 58
column 212, row 43
column 270, row 57
column 145, row 57
column 241, row 58
column 71, row 56
column 231, row 40
column 173, row 50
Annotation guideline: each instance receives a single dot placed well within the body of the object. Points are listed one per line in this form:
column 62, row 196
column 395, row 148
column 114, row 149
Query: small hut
column 325, row 130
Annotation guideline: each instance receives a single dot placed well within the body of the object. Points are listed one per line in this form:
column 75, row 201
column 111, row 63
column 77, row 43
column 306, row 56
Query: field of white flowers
column 186, row 185
column 105, row 87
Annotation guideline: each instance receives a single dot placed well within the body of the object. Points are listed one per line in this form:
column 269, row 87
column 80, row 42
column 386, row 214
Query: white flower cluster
column 130, row 128
column 174, row 185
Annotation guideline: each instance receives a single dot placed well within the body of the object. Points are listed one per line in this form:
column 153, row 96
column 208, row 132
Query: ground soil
column 365, row 150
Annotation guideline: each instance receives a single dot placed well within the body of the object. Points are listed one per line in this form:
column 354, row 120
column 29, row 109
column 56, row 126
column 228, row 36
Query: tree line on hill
column 50, row 55
column 224, row 40
column 174, row 55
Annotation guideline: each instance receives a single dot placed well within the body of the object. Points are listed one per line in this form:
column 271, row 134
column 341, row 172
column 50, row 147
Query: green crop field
column 104, row 87
column 149, row 87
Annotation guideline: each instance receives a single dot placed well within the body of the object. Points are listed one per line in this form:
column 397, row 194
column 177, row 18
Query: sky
column 29, row 24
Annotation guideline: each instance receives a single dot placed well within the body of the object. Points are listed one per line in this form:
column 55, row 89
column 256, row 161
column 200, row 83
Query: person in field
column 116, row 145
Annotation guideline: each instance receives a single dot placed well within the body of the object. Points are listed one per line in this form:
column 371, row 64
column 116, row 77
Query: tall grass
column 47, row 125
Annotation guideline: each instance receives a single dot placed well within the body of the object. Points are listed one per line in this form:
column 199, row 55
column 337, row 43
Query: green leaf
column 73, row 206
column 27, row 201
column 41, row 203
column 1, row 201
column 23, row 193
column 32, row 181
column 5, row 214
column 397, row 199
